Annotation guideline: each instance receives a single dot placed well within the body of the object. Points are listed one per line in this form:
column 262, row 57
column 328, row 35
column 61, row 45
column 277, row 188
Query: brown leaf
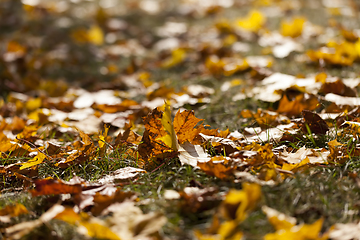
column 337, row 87
column 315, row 123
column 195, row 200
column 86, row 152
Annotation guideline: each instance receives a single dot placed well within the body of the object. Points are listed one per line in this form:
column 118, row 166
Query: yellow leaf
column 177, row 57
column 253, row 22
column 169, row 139
column 294, row 28
column 277, row 219
column 357, row 47
column 5, row 143
column 33, row 104
column 96, row 230
column 227, row 230
column 69, row 216
column 238, row 203
column 321, row 77
column 39, row 158
column 95, row 35
column 292, row 167
column 299, row 232
column 102, row 137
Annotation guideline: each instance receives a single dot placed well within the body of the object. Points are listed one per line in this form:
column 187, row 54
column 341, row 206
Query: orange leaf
column 295, row 107
column 185, row 126
column 219, row 167
column 53, row 186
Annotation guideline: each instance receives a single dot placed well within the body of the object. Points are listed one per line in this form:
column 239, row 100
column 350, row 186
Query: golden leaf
column 170, row 138
column 238, row 203
column 252, row 22
column 294, row 28
column 39, row 158
column 299, row 232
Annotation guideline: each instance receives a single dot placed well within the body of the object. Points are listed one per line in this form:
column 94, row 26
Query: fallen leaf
column 294, row 28
column 128, row 221
column 195, row 200
column 88, row 226
column 252, row 22
column 53, row 186
column 313, row 123
column 39, row 158
column 296, row 106
column 300, row 232
column 221, row 167
column 192, row 154
column 239, row 203
column 121, row 175
column 279, row 220
column 185, row 124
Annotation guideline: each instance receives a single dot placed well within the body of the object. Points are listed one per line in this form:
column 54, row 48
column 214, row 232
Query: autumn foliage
column 114, row 94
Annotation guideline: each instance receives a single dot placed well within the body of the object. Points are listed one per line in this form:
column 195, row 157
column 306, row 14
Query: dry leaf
column 53, row 186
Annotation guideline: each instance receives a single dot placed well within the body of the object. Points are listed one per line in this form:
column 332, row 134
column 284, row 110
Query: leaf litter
column 56, row 122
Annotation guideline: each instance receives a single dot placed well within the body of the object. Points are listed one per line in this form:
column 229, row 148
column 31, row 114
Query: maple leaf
column 159, row 140
column 185, row 124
